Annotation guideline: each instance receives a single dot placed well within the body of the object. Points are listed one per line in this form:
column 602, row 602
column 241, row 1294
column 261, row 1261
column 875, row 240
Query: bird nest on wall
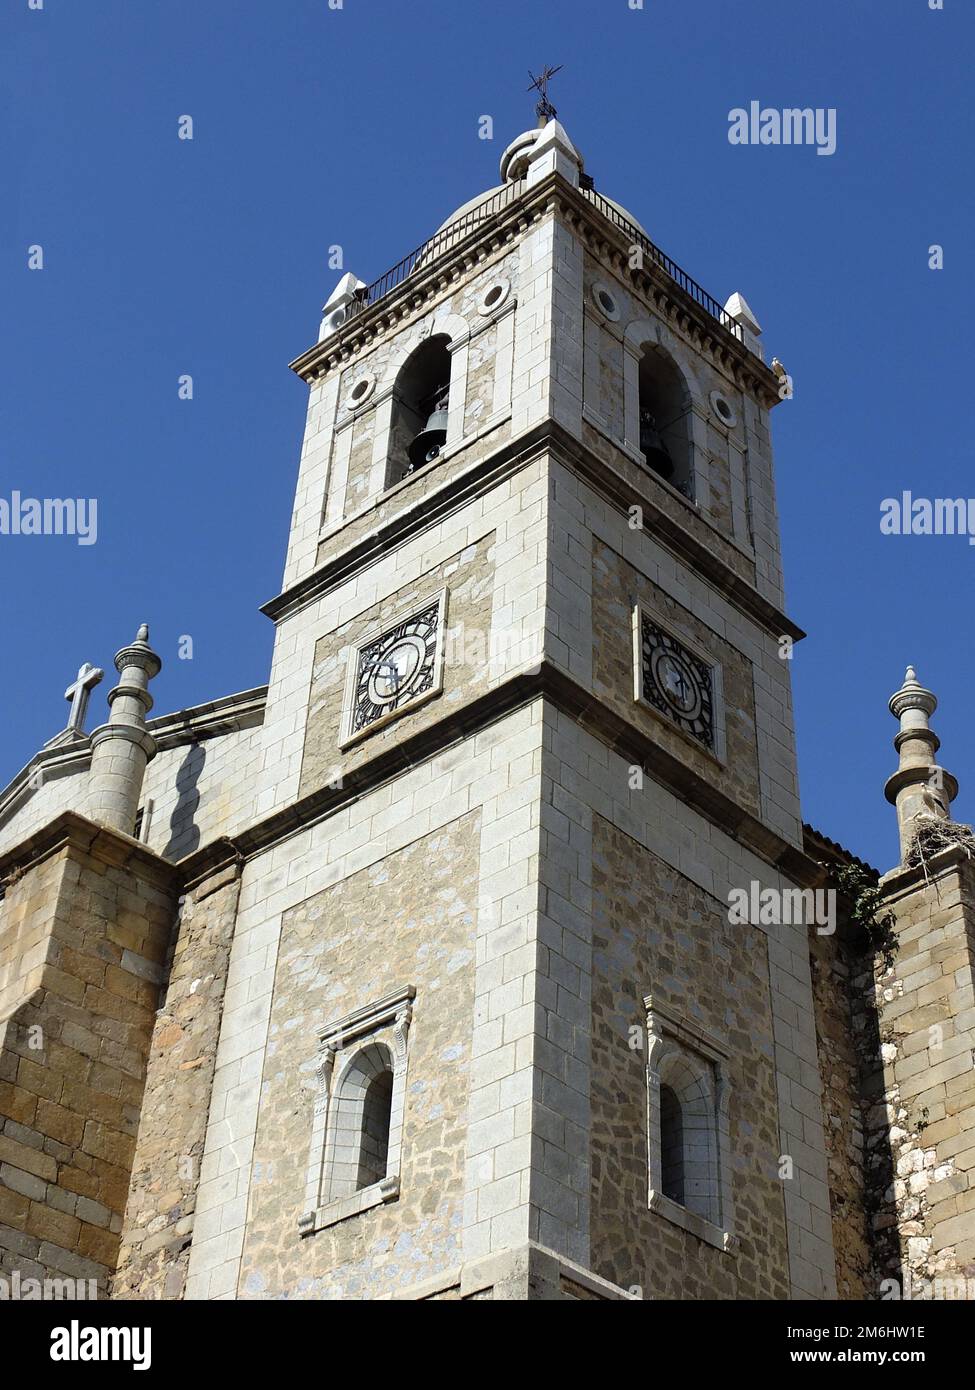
column 935, row 835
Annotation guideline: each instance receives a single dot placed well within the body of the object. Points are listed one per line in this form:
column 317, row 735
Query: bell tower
column 490, row 1029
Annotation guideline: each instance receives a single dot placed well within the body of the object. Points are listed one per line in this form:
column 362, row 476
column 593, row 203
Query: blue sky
column 359, row 127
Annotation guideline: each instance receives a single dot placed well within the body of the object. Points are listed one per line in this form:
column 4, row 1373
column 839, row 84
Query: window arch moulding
column 692, row 1065
column 350, row 1134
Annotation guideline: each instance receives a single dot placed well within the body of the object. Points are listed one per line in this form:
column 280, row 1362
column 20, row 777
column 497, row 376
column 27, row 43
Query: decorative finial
column 346, row 300
column 139, row 653
column 921, row 790
column 121, row 748
column 912, row 696
column 544, row 109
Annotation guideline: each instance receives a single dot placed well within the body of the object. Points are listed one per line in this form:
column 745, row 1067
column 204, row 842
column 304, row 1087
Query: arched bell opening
column 665, row 409
column 418, row 430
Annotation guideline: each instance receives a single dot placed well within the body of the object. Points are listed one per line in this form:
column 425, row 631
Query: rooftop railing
column 680, row 277
column 456, row 231
column 440, row 241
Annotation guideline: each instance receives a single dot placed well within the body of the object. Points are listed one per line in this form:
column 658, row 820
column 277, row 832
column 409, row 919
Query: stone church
column 415, row 973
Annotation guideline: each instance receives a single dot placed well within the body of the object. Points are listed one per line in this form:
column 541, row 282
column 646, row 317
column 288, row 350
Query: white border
column 488, row 310
column 347, row 738
column 719, row 751
column 599, row 287
column 731, row 421
column 353, row 402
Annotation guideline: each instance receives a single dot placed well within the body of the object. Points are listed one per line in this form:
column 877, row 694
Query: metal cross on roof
column 545, row 110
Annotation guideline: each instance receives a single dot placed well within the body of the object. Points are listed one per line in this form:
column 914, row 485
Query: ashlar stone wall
column 469, row 579
column 611, row 938
column 408, row 920
column 847, row 1043
column 656, row 933
column 616, row 588
column 84, row 930
column 490, row 782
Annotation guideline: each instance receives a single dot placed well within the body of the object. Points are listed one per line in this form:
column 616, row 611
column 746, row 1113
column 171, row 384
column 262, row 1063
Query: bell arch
column 420, row 409
column 660, row 396
column 427, row 377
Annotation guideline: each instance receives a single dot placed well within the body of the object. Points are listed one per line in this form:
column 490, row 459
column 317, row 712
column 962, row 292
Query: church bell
column 653, row 447
column 431, row 439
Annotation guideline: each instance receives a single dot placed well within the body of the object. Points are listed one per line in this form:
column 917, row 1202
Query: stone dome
column 513, row 167
column 470, row 206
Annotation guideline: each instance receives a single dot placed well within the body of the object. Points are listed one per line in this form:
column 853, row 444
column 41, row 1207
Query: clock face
column 395, row 669
column 677, row 683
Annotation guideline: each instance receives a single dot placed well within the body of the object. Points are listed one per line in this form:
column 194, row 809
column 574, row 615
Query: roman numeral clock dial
column 677, row 683
column 396, row 669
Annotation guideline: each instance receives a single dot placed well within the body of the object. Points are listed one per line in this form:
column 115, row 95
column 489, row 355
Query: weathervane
column 544, row 110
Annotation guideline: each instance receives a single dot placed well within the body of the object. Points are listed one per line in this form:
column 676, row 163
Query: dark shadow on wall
column 880, row 1164
column 184, row 833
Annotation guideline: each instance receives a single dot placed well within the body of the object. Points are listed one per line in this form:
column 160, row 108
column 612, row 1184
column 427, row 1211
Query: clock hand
column 389, row 672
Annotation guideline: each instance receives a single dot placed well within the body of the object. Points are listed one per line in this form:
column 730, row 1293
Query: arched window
column 671, row 1146
column 418, row 429
column 688, row 1132
column 688, row 1135
column 362, row 1111
column 356, row 1149
column 665, row 406
column 374, row 1132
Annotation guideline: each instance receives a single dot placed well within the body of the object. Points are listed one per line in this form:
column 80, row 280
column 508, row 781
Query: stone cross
column 79, row 693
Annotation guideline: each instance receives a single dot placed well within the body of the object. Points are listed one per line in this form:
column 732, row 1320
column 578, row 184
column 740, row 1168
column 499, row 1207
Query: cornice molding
column 415, row 517
column 456, row 725
column 56, row 762
column 227, row 715
column 906, row 878
column 70, row 830
column 667, row 299
column 485, row 474
column 421, row 289
column 553, row 194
